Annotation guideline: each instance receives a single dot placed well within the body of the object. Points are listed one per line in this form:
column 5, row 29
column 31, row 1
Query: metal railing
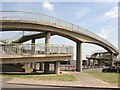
column 49, row 20
column 98, row 51
column 99, row 57
column 29, row 49
column 104, row 57
column 18, row 36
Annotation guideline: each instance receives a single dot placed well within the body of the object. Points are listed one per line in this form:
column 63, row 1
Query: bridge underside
column 35, row 58
column 44, row 62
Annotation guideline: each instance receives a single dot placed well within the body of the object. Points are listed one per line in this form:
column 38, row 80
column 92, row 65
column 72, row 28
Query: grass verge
column 112, row 78
column 63, row 77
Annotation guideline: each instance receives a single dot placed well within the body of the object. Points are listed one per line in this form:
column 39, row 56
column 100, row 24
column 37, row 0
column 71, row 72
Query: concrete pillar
column 112, row 62
column 30, row 65
column 33, row 46
column 78, row 57
column 57, row 67
column 26, row 64
column 34, row 65
column 41, row 66
column 47, row 42
column 93, row 63
column 88, row 63
column 98, row 62
column 46, row 67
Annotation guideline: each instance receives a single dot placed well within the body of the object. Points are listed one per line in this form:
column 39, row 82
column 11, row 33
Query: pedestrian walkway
column 84, row 80
column 90, row 81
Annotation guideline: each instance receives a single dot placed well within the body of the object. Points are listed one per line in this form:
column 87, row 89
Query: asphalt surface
column 6, row 86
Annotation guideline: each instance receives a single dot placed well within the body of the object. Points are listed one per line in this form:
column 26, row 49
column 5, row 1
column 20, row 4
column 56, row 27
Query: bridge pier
column 57, row 67
column 33, row 46
column 112, row 62
column 47, row 42
column 93, row 63
column 41, row 66
column 34, row 65
column 46, row 67
column 78, row 57
column 98, row 62
column 30, row 65
column 88, row 63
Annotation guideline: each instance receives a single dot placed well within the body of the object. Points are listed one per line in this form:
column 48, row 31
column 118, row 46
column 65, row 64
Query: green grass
column 63, row 77
column 111, row 78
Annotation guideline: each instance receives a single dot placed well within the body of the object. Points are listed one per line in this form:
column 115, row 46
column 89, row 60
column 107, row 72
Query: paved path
column 7, row 85
column 39, row 87
column 84, row 80
column 90, row 81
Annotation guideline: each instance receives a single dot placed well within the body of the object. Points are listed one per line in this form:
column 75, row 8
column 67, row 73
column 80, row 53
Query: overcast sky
column 98, row 17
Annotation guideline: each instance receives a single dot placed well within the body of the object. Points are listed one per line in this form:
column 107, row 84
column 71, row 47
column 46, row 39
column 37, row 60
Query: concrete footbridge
column 48, row 26
column 100, row 57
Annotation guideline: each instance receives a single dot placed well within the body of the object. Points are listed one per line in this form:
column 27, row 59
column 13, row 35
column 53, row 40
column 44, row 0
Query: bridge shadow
column 23, row 73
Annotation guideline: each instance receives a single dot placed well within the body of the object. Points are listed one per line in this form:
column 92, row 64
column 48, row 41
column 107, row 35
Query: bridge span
column 28, row 21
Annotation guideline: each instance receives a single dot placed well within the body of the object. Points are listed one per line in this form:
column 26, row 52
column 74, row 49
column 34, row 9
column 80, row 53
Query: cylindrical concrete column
column 112, row 61
column 41, row 66
column 78, row 57
column 34, row 65
column 57, row 67
column 46, row 67
column 26, row 64
column 88, row 63
column 47, row 42
column 93, row 63
column 99, row 63
column 33, row 46
column 30, row 65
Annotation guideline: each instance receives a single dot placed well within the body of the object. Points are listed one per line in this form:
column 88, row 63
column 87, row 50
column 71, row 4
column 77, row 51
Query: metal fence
column 104, row 57
column 28, row 49
column 40, row 18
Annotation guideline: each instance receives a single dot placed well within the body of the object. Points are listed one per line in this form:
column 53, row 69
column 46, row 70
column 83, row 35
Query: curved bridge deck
column 19, row 20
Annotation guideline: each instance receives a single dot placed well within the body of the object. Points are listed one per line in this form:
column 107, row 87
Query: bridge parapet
column 36, row 49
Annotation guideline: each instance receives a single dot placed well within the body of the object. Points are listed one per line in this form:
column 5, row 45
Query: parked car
column 112, row 69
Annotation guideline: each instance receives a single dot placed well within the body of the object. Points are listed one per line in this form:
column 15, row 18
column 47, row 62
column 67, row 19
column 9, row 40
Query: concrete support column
column 98, row 62
column 112, row 62
column 33, row 46
column 34, row 65
column 30, row 65
column 93, row 63
column 41, row 66
column 78, row 57
column 88, row 63
column 26, row 64
column 57, row 67
column 46, row 67
column 47, row 42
